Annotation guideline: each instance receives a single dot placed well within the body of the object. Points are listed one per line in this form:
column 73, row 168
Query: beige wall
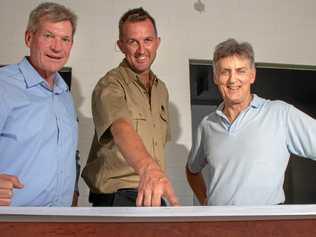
column 281, row 31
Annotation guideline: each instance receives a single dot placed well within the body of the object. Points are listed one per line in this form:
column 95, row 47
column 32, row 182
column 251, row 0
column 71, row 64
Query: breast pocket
column 164, row 121
column 139, row 119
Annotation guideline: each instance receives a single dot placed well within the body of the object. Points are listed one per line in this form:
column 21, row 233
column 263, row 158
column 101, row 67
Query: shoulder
column 207, row 120
column 162, row 84
column 277, row 105
column 11, row 80
column 111, row 78
column 8, row 73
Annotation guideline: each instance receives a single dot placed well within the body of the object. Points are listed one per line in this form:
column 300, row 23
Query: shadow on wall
column 86, row 130
column 176, row 157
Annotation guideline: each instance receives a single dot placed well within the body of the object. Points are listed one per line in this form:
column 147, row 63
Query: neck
column 47, row 76
column 146, row 79
column 49, row 79
column 233, row 110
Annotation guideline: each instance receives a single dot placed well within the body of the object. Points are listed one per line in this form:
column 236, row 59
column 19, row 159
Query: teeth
column 234, row 87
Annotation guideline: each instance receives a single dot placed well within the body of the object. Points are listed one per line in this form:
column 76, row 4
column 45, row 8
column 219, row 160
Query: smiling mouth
column 141, row 59
column 233, row 88
column 54, row 57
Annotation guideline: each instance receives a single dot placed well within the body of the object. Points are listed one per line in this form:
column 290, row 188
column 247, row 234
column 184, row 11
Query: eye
column 242, row 71
column 66, row 40
column 48, row 35
column 148, row 40
column 131, row 42
column 224, row 72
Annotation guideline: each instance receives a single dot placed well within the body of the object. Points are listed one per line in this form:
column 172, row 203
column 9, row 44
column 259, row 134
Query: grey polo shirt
column 247, row 158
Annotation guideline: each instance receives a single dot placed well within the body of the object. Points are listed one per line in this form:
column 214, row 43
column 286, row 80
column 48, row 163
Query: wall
column 281, row 31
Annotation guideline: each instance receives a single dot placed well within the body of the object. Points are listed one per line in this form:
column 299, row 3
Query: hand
column 153, row 186
column 7, row 183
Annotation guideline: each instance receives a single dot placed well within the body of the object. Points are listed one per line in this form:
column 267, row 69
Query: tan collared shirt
column 121, row 94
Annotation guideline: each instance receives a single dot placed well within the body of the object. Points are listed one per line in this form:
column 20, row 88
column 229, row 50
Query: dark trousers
column 125, row 197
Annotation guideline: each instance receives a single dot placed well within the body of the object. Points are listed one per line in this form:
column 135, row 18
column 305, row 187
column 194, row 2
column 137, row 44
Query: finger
column 171, row 197
column 5, row 201
column 5, row 193
column 156, row 199
column 16, row 182
column 6, row 184
column 139, row 199
column 12, row 179
column 147, row 198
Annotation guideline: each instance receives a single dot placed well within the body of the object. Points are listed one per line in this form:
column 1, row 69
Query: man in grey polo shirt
column 248, row 140
column 130, row 112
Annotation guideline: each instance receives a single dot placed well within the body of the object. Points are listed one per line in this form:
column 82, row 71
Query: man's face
column 233, row 77
column 50, row 46
column 139, row 43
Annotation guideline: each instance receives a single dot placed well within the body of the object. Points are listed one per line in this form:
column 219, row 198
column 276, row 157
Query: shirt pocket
column 164, row 124
column 164, row 113
column 139, row 119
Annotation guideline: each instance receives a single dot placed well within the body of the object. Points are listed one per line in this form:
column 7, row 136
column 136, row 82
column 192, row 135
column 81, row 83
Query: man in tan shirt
column 130, row 111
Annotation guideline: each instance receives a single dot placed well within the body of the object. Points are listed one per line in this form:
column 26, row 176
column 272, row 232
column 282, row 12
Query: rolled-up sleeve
column 108, row 105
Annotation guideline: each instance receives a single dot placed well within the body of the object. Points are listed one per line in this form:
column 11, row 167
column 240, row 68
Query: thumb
column 17, row 183
column 172, row 198
column 11, row 180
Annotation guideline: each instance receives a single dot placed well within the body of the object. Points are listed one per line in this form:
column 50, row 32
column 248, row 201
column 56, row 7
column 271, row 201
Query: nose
column 56, row 45
column 232, row 77
column 141, row 48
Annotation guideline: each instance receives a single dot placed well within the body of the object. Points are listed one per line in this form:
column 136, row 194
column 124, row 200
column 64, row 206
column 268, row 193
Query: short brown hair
column 135, row 15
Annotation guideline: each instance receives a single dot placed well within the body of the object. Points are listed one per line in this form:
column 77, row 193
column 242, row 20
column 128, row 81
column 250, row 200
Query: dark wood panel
column 271, row 228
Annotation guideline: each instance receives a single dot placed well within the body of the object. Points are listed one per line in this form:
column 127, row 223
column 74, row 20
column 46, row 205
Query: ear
column 28, row 38
column 158, row 42
column 253, row 75
column 215, row 79
column 121, row 46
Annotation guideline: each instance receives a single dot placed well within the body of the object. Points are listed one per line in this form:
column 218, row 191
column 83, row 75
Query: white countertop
column 156, row 214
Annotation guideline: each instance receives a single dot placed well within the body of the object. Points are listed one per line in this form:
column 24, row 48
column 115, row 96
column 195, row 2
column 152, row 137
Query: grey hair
column 231, row 47
column 53, row 12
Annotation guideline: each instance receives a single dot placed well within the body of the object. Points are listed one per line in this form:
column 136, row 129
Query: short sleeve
column 197, row 158
column 108, row 105
column 301, row 133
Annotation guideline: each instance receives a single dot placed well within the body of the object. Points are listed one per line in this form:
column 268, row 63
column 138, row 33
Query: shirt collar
column 255, row 103
column 33, row 78
column 133, row 76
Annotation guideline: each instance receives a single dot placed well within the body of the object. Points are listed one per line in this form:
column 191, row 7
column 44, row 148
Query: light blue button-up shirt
column 38, row 136
column 247, row 159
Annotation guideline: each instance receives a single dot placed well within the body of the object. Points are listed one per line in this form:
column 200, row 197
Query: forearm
column 197, row 184
column 153, row 182
column 131, row 146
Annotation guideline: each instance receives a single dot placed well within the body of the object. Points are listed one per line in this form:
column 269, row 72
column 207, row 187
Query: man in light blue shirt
column 248, row 140
column 38, row 122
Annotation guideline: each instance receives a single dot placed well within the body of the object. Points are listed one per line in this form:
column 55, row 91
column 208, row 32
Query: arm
column 198, row 186
column 7, row 183
column 153, row 182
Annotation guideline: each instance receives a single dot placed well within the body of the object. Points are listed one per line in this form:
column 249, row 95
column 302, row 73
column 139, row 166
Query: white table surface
column 156, row 214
